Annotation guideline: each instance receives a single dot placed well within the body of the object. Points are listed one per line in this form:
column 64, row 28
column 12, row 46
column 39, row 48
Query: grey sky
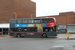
column 53, row 7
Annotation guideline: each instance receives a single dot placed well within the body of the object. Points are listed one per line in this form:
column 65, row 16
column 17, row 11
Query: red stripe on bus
column 29, row 32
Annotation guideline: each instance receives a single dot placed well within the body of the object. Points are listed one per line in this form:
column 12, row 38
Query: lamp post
column 15, row 15
column 32, row 14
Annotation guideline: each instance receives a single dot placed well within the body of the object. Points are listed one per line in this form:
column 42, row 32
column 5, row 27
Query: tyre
column 18, row 35
column 44, row 35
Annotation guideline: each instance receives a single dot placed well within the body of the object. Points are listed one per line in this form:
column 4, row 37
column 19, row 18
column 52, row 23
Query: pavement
column 5, row 36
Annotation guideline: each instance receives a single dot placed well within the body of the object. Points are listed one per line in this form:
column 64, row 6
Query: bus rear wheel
column 18, row 35
column 44, row 35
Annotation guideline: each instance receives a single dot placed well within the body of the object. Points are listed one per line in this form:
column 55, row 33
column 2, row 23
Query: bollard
column 67, row 35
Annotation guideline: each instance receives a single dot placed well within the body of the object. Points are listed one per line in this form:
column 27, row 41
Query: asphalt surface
column 58, row 43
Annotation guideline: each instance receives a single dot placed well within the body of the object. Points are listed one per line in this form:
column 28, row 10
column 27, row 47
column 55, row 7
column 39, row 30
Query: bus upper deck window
column 45, row 20
column 25, row 21
column 51, row 20
column 48, row 20
column 42, row 21
column 19, row 21
column 30, row 21
column 37, row 21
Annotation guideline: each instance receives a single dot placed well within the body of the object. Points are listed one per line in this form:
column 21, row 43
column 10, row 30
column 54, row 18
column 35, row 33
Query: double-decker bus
column 33, row 27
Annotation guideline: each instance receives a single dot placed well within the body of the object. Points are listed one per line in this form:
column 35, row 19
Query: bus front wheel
column 44, row 35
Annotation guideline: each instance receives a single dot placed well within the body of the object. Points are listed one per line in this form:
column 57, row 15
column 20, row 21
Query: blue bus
column 35, row 27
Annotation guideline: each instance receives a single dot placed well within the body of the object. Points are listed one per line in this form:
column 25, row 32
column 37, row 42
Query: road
column 37, row 44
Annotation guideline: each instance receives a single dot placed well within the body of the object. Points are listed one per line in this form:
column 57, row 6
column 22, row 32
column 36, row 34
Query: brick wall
column 5, row 11
column 23, row 9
